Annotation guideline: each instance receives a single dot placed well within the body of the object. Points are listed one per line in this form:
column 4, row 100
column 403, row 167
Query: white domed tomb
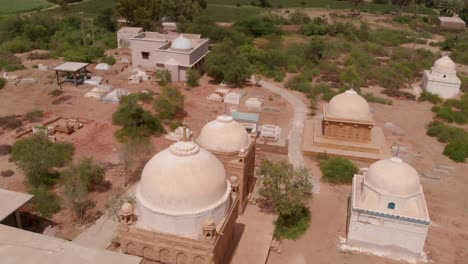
column 230, row 142
column 348, row 117
column 181, row 43
column 442, row 79
column 182, row 188
column 388, row 209
column 346, row 129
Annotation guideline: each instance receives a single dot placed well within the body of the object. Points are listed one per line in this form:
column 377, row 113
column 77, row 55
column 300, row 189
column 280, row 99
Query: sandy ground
column 96, row 139
column 448, row 234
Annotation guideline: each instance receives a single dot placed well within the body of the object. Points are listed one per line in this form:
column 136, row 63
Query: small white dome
column 126, row 209
column 182, row 179
column 349, row 105
column 182, row 43
column 445, row 65
column 224, row 135
column 393, row 177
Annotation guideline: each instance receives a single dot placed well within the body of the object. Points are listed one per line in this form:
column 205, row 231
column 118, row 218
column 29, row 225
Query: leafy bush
column 453, row 111
column 2, row 83
column 388, row 37
column 86, row 171
column 192, row 78
column 286, row 191
column 294, row 225
column 45, row 201
column 371, row 98
column 299, row 83
column 430, row 97
column 338, row 170
column 169, row 103
column 108, row 59
column 37, row 156
column 164, row 77
column 258, row 26
column 446, row 133
column 34, row 116
column 227, row 62
column 10, row 62
column 457, row 150
column 136, row 122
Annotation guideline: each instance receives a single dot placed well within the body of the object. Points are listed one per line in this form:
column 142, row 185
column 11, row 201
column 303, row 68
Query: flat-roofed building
column 174, row 52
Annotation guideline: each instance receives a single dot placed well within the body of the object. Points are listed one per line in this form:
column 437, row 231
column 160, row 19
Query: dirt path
column 295, row 133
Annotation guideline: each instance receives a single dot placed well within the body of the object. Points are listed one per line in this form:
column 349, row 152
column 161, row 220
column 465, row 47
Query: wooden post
column 18, row 220
column 74, row 77
column 58, row 82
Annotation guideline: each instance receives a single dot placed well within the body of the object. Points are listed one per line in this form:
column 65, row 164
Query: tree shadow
column 102, row 186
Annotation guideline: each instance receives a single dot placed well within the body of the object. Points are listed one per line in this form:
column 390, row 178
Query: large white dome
column 393, row 177
column 349, row 105
column 182, row 43
column 445, row 65
column 180, row 188
column 224, row 135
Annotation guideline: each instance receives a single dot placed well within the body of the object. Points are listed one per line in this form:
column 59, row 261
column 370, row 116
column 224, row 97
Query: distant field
column 91, row 7
column 331, row 4
column 231, row 13
column 17, row 6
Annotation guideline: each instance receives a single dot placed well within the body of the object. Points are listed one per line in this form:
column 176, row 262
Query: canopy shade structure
column 71, row 67
column 11, row 202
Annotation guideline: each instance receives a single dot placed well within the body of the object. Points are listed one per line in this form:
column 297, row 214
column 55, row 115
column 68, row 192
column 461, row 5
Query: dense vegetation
column 337, row 170
column 456, row 137
column 286, row 191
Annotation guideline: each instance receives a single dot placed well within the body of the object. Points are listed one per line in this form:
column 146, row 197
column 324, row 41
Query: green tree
column 106, row 19
column 45, row 201
column 164, row 77
column 338, row 170
column 451, row 7
column 226, row 62
column 286, row 191
column 192, row 78
column 149, row 13
column 136, row 122
column 37, row 156
column 169, row 103
column 314, row 50
column 87, row 171
column 76, row 196
column 457, row 150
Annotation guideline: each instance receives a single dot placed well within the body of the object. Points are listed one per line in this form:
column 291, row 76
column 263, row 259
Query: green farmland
column 18, row 6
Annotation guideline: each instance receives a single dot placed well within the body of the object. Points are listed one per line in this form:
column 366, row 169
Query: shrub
column 258, row 26
column 163, row 76
column 10, row 62
column 371, row 98
column 87, row 171
column 453, row 111
column 457, row 150
column 192, row 78
column 34, row 116
column 45, row 201
column 37, row 156
column 446, row 133
column 388, row 37
column 430, row 97
column 108, row 59
column 169, row 103
column 2, row 83
column 294, row 225
column 338, row 170
column 286, row 191
column 136, row 122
